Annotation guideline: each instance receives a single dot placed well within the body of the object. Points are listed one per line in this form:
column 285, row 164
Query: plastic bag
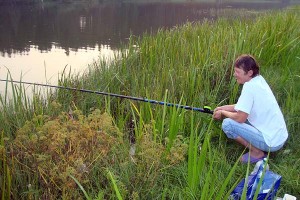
column 268, row 189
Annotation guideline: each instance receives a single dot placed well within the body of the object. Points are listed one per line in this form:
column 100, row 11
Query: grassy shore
column 75, row 145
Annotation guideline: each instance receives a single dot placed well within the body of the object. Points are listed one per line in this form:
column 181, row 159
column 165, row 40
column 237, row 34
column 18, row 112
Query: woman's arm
column 229, row 108
column 238, row 116
column 229, row 112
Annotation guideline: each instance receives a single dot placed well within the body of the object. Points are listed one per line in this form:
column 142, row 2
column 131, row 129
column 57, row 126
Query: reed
column 5, row 179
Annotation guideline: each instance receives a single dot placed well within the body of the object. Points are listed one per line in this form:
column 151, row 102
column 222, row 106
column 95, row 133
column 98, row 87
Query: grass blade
column 115, row 185
column 81, row 187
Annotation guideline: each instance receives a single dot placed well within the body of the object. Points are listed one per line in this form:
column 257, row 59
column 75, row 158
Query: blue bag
column 268, row 189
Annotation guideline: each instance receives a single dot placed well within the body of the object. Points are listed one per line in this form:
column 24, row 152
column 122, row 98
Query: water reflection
column 46, row 66
column 82, row 23
column 34, row 37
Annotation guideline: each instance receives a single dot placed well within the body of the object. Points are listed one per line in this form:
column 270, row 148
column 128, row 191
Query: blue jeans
column 248, row 132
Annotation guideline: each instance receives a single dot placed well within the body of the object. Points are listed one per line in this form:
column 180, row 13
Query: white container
column 289, row 197
column 257, row 167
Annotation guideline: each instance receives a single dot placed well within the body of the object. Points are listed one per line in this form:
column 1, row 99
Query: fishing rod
column 205, row 109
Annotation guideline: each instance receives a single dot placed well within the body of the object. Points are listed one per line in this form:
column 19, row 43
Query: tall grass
column 17, row 107
column 5, row 179
column 190, row 64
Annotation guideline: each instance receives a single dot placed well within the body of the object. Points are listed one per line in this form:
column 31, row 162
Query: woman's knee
column 227, row 127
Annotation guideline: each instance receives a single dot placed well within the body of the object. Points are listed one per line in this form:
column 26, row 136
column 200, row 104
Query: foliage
column 52, row 148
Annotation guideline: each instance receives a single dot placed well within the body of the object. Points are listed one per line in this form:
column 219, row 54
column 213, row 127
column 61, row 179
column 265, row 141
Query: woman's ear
column 250, row 73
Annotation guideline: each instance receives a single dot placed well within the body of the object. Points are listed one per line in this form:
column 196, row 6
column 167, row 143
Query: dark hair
column 247, row 63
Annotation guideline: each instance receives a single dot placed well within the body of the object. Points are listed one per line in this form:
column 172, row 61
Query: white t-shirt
column 258, row 100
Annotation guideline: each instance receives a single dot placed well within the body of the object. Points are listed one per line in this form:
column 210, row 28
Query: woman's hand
column 217, row 114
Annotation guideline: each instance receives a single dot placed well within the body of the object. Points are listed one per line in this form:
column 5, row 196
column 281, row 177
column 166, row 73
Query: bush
column 52, row 148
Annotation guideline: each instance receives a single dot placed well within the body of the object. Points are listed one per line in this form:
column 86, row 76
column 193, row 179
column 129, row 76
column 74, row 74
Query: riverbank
column 175, row 153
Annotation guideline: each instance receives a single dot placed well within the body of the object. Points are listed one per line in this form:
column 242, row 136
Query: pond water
column 38, row 41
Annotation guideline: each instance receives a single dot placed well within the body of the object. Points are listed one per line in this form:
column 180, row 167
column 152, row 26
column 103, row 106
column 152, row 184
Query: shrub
column 52, row 148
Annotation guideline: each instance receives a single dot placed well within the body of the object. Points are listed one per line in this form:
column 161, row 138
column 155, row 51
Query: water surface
column 38, row 41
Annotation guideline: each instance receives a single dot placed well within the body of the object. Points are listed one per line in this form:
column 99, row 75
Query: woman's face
column 241, row 76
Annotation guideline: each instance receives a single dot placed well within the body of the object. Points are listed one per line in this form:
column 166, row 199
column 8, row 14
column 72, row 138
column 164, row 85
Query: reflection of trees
column 73, row 26
column 22, row 26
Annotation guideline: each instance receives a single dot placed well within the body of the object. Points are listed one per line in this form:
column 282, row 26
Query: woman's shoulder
column 256, row 83
column 257, row 80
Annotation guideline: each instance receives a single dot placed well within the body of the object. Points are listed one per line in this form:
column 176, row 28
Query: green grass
column 191, row 65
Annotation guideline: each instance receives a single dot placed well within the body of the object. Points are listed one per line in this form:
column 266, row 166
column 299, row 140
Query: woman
column 256, row 120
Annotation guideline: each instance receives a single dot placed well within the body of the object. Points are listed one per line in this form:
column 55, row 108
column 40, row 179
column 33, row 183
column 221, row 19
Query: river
column 37, row 42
